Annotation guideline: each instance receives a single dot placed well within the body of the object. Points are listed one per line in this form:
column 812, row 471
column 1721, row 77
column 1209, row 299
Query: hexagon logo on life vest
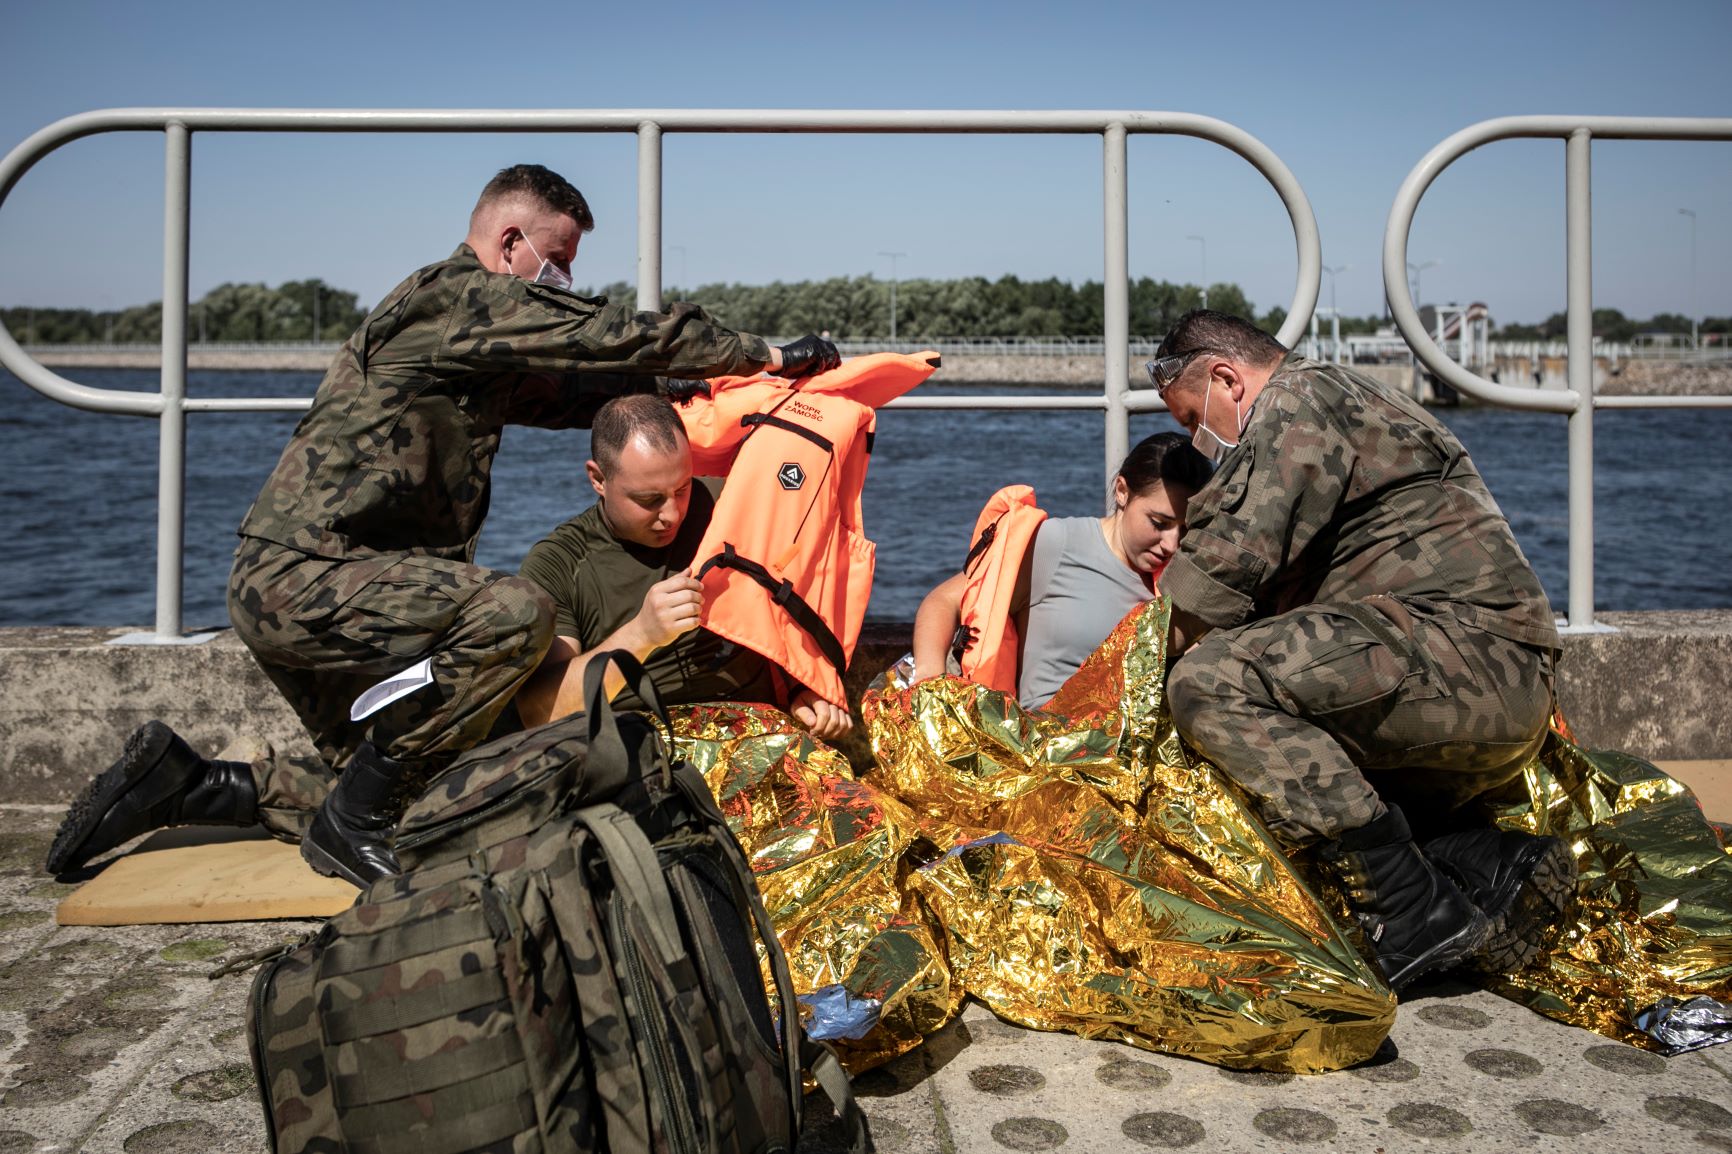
column 790, row 475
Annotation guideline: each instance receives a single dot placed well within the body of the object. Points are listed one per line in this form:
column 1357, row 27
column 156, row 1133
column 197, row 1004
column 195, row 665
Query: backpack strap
column 609, row 766
column 631, row 859
column 833, row 1080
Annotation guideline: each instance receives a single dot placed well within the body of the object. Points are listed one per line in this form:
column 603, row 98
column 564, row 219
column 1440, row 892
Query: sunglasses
column 1166, row 370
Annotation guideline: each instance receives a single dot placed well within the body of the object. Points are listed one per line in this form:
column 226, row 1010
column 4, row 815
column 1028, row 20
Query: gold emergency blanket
column 1073, row 868
column 1108, row 883
column 1655, row 919
column 830, row 855
column 1077, row 868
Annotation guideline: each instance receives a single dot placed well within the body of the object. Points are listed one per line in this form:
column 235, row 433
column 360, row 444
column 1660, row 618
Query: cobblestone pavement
column 115, row 1040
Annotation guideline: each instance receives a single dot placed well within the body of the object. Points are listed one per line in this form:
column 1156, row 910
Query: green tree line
column 229, row 312
column 846, row 307
column 858, row 308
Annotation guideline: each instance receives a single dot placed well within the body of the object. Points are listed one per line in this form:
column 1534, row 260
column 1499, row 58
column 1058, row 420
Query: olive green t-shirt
column 598, row 583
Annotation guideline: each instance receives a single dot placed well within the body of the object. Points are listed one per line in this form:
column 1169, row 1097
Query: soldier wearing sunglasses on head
column 1357, row 634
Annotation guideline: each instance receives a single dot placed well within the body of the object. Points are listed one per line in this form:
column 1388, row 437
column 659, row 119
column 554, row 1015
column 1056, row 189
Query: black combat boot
column 1525, row 885
column 1415, row 919
column 351, row 834
column 158, row 781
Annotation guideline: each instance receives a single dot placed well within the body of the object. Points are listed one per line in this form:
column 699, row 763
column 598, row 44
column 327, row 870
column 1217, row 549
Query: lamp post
column 1695, row 334
column 892, row 256
column 1203, row 247
column 1416, row 269
column 1335, row 313
column 315, row 310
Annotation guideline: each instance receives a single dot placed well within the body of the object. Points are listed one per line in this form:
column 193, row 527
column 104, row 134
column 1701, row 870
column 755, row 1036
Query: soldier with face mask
column 356, row 560
column 1359, row 636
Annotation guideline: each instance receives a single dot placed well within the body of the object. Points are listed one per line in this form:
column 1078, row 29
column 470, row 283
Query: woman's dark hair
column 1165, row 459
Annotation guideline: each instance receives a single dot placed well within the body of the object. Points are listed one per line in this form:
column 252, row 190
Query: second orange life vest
column 1002, row 535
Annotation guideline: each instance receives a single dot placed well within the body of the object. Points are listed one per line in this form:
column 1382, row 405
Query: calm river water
column 78, row 509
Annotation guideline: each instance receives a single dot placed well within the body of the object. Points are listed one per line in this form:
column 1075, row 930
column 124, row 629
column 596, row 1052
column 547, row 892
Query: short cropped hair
column 1222, row 333
column 1166, row 459
column 645, row 415
column 543, row 185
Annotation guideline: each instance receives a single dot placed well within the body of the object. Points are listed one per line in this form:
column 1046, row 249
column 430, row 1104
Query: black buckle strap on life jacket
column 982, row 543
column 753, row 420
column 782, row 593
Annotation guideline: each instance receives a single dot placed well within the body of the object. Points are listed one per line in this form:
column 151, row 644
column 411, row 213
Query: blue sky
column 1350, row 95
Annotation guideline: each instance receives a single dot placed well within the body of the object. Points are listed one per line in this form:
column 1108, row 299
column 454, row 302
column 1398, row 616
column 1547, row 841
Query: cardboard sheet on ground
column 205, row 875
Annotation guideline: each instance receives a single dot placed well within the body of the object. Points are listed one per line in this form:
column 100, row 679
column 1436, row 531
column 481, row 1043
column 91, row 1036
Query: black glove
column 675, row 389
column 810, row 354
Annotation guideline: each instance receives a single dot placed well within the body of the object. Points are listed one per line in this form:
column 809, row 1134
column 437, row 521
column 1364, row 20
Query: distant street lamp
column 1335, row 313
column 315, row 311
column 1695, row 334
column 1203, row 245
column 1416, row 269
column 1332, row 272
column 892, row 256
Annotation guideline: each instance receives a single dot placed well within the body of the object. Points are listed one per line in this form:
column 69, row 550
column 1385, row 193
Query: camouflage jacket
column 1340, row 489
column 396, row 452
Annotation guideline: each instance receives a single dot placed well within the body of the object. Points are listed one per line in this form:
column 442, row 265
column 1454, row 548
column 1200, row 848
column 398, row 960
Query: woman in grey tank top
column 1080, row 575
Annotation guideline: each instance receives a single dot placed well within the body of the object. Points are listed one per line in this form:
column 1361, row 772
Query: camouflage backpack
column 569, row 961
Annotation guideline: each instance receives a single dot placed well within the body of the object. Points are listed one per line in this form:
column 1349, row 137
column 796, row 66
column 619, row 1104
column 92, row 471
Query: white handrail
column 171, row 404
column 1578, row 401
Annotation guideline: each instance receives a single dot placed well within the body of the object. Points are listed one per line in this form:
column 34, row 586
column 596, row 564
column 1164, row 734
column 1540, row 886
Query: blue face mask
column 1210, row 443
column 549, row 273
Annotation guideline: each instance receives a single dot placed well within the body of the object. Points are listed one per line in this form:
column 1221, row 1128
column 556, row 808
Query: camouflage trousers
column 1323, row 713
column 324, row 630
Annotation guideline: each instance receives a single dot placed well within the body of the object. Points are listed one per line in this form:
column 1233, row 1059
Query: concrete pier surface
column 114, row 1040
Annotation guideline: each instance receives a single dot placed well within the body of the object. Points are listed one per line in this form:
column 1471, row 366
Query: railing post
column 1116, row 300
column 1578, row 192
column 649, row 216
column 171, row 458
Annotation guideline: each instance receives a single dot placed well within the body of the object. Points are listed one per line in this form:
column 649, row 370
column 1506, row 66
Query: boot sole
column 1536, row 913
column 145, row 747
column 323, row 863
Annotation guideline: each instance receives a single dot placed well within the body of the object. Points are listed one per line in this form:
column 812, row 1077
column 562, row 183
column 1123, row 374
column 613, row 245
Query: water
column 78, row 508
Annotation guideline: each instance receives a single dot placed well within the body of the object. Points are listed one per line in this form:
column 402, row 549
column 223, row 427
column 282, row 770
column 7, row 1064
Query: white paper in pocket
column 393, row 688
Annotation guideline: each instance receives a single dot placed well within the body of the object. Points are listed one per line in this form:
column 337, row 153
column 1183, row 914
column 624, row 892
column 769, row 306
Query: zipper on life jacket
column 664, row 1078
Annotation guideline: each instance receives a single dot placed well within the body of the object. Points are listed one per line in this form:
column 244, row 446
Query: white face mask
column 549, row 273
column 1210, row 443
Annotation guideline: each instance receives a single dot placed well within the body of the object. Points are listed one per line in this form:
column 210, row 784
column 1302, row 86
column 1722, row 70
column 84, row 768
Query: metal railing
column 171, row 404
column 1578, row 400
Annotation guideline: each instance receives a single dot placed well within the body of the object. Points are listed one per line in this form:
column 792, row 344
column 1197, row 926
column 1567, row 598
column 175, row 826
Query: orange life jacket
column 785, row 564
column 717, row 425
column 1002, row 535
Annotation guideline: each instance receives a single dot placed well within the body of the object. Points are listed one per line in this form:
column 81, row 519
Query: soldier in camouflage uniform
column 356, row 560
column 1357, row 624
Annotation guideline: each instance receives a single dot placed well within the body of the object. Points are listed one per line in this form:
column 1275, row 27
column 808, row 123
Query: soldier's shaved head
column 1223, row 334
column 531, row 186
column 642, row 415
